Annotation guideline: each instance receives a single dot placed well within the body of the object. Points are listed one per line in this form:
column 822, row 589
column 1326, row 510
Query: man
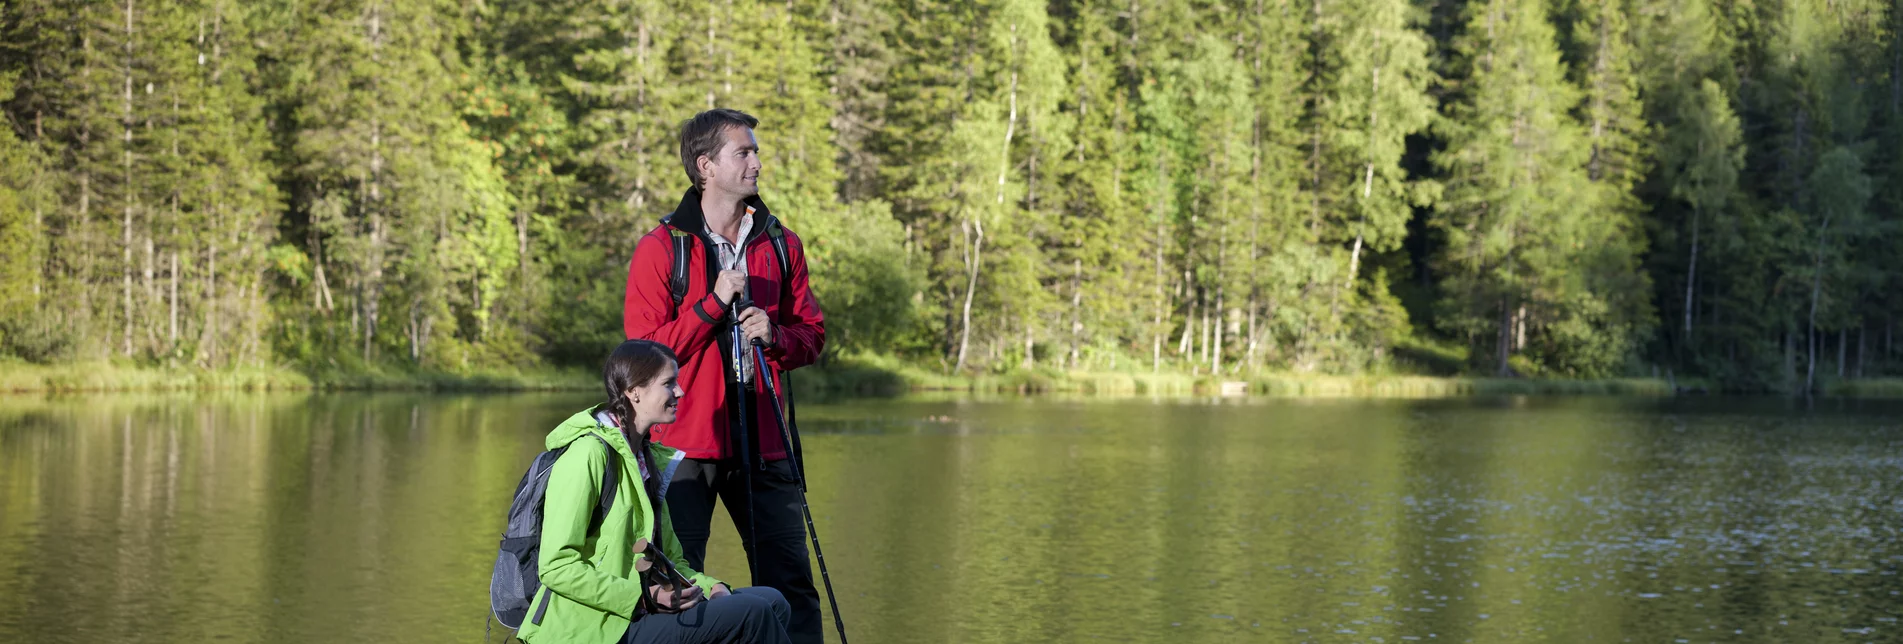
column 734, row 250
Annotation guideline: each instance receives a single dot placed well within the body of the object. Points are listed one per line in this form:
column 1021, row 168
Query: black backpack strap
column 610, row 479
column 777, row 234
column 681, row 251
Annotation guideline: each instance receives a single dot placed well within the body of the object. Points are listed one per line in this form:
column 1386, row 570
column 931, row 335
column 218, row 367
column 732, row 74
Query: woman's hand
column 664, row 597
column 719, row 591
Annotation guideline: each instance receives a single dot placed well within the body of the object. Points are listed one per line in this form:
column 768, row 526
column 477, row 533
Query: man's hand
column 756, row 326
column 719, row 591
column 663, row 596
column 728, row 286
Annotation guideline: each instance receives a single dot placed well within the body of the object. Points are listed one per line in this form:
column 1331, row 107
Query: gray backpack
column 513, row 584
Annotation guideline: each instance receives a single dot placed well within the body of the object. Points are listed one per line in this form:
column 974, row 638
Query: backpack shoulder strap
column 777, row 235
column 610, row 480
column 680, row 253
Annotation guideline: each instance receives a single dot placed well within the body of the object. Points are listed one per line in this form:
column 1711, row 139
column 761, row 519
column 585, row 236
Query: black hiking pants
column 779, row 560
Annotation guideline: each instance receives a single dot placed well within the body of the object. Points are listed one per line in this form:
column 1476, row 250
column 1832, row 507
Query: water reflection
column 290, row 518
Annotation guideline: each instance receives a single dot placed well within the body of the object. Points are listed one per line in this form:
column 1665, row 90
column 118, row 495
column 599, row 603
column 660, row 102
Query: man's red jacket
column 698, row 331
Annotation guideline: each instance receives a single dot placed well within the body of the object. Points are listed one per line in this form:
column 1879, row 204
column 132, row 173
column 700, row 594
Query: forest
column 1523, row 188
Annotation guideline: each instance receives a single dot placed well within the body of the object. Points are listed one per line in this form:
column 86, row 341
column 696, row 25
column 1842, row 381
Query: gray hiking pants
column 755, row 615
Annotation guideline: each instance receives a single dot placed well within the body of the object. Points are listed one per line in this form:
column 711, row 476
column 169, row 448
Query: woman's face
column 657, row 401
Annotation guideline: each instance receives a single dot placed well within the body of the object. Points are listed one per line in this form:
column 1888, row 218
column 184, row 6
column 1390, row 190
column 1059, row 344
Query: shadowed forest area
column 1542, row 188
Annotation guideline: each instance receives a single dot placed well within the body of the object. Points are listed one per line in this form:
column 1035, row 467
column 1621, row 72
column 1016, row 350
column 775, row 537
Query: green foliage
column 1003, row 190
column 20, row 238
column 1531, row 266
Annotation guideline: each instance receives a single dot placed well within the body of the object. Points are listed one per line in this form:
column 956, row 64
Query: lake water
column 374, row 518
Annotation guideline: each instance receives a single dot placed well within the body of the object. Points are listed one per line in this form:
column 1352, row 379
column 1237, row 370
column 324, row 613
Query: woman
column 598, row 597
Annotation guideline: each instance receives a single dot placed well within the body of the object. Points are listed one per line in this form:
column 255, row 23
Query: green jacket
column 595, row 588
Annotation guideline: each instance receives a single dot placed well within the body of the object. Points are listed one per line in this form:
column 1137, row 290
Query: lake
column 356, row 517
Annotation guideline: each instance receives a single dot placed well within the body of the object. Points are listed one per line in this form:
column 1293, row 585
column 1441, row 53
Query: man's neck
column 723, row 213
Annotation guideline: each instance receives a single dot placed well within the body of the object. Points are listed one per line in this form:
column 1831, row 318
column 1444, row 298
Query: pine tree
column 1157, row 34
column 1612, row 111
column 1211, row 216
column 1097, row 270
column 857, row 67
column 1526, row 255
column 1275, row 49
column 403, row 203
column 1841, row 192
column 631, row 104
column 20, row 237
column 1162, row 143
column 1705, row 153
column 1376, row 97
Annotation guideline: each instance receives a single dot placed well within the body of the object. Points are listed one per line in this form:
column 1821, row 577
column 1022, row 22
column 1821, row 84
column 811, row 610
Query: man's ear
column 704, row 164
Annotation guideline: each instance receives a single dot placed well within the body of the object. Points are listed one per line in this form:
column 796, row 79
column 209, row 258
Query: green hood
column 581, row 424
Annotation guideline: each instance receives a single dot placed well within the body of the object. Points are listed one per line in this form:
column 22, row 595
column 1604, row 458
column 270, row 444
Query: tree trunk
column 1255, row 204
column 321, row 299
column 1790, row 356
column 726, row 76
column 1215, row 363
column 1843, row 345
column 1691, row 274
column 1076, row 308
column 1030, row 359
column 1156, row 322
column 1861, row 333
column 172, row 338
column 373, row 291
column 411, row 330
column 1896, row 72
column 1202, row 335
column 1810, row 352
column 210, row 350
column 1183, row 346
column 972, row 264
column 638, row 199
column 1367, row 174
column 977, row 221
column 522, row 242
column 125, row 224
column 1504, row 343
column 710, row 63
column 149, row 299
column 1354, row 256
column 1816, row 288
column 1519, row 328
column 1249, row 356
column 1315, row 132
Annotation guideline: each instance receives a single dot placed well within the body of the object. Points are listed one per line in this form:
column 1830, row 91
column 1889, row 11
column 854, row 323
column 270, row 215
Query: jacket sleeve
column 573, row 491
column 648, row 308
column 801, row 335
column 671, row 546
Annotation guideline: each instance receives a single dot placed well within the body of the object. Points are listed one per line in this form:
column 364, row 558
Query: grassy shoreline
column 848, row 377
column 25, row 378
column 877, row 375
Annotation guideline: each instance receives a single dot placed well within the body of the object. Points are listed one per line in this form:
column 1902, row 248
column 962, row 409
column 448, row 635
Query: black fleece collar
column 688, row 217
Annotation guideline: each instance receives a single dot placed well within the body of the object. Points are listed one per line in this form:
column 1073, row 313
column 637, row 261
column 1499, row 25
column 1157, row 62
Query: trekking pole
column 799, row 476
column 746, row 459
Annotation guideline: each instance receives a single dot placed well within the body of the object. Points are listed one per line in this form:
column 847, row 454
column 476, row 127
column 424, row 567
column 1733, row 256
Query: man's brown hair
column 701, row 136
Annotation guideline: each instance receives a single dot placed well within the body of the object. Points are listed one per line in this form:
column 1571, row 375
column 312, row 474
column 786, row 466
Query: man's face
column 735, row 169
